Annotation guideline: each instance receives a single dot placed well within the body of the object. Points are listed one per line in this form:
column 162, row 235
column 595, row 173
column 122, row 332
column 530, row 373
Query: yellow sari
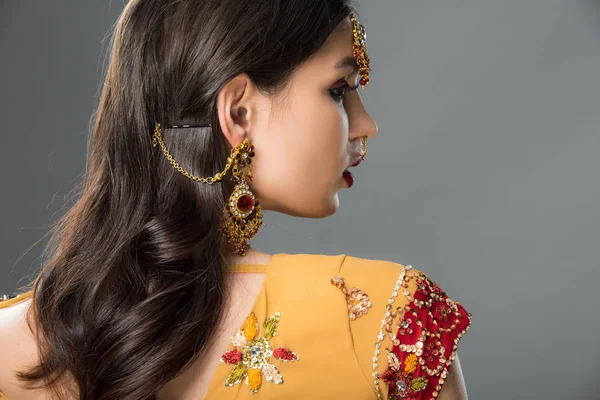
column 339, row 327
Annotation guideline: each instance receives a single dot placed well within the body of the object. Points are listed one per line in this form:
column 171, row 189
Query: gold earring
column 242, row 216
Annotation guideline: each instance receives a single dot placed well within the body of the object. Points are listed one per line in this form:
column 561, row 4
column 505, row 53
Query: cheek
column 314, row 138
column 303, row 154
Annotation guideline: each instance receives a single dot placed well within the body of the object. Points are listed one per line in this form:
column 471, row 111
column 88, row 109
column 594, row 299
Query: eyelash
column 345, row 89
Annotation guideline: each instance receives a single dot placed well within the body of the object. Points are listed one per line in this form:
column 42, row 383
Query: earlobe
column 233, row 107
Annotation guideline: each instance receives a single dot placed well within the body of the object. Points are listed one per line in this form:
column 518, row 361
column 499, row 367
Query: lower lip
column 348, row 178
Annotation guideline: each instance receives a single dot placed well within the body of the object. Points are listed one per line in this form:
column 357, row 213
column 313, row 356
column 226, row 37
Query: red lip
column 348, row 178
column 357, row 161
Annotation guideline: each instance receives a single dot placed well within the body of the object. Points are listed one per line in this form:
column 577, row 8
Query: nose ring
column 363, row 147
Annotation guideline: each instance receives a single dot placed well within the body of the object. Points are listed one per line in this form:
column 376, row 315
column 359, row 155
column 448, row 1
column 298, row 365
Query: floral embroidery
column 402, row 383
column 357, row 300
column 427, row 287
column 252, row 362
column 428, row 330
column 407, row 326
column 433, row 354
column 284, row 354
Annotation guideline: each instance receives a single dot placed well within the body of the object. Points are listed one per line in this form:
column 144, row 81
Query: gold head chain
column 157, row 139
column 242, row 215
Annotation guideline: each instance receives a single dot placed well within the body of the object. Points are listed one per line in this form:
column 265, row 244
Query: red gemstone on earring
column 245, row 203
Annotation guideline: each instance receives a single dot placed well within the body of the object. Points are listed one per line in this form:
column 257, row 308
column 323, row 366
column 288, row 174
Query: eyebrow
column 348, row 61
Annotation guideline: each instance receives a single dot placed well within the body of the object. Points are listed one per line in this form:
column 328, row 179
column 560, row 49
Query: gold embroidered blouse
column 339, row 327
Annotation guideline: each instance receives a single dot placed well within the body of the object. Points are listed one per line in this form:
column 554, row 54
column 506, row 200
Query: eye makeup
column 339, row 92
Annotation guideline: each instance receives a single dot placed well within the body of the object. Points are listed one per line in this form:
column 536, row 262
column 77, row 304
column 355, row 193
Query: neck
column 252, row 257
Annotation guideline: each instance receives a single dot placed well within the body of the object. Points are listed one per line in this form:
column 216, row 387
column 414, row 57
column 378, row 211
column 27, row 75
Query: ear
column 234, row 103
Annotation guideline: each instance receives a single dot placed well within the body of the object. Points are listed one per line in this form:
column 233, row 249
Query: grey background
column 484, row 173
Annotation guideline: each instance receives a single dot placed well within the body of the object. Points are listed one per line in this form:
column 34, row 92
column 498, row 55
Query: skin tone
column 305, row 137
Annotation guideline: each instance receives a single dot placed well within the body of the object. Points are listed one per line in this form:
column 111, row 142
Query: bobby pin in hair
column 189, row 126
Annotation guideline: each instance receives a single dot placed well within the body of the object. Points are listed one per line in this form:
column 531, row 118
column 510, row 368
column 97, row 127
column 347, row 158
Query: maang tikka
column 242, row 215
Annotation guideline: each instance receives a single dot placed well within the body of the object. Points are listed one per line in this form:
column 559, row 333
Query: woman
column 211, row 112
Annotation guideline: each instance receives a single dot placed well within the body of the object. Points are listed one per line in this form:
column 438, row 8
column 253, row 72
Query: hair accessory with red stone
column 360, row 50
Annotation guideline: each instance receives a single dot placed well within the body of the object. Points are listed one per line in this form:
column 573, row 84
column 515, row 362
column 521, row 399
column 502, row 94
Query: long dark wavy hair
column 133, row 280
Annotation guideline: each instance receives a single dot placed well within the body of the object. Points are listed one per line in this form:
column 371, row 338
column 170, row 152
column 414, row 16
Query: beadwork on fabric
column 423, row 340
column 251, row 354
column 357, row 300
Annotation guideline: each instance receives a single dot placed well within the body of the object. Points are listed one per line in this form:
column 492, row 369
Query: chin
column 332, row 207
column 328, row 208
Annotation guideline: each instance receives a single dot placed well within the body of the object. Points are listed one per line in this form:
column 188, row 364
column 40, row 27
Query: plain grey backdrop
column 484, row 174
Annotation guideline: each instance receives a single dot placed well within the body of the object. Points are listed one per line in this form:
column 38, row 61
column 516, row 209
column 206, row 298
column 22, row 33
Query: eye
column 339, row 92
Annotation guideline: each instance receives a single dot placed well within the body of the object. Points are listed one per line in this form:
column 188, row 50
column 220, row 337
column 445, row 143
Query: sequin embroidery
column 357, row 300
column 251, row 354
column 425, row 340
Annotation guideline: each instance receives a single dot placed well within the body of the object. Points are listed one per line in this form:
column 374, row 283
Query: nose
column 361, row 122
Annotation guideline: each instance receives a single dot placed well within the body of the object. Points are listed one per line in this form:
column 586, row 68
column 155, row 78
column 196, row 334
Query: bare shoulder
column 18, row 348
column 17, row 337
